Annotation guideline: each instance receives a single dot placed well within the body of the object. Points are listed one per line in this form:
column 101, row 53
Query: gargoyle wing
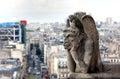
column 92, row 33
column 90, row 27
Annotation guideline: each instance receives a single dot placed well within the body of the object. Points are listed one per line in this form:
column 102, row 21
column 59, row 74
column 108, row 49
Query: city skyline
column 53, row 10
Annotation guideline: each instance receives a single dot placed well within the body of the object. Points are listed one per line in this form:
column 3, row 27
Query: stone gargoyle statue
column 81, row 40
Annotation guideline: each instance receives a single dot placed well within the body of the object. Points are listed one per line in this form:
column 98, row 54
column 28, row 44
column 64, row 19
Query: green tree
column 31, row 78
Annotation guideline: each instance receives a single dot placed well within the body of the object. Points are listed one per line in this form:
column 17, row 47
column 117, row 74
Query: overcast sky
column 57, row 10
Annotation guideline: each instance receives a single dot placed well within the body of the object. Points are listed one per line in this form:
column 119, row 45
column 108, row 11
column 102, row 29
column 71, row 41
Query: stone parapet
column 95, row 76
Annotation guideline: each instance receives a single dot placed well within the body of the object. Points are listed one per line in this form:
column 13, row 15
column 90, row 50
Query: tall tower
column 109, row 20
column 23, row 24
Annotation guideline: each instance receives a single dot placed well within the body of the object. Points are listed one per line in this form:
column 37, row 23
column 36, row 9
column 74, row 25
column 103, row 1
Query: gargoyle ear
column 68, row 23
column 79, row 14
column 71, row 18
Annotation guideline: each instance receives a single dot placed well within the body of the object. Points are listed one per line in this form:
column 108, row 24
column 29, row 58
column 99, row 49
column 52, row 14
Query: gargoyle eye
column 73, row 31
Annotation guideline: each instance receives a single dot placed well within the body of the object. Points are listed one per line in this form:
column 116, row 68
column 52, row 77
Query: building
column 110, row 58
column 10, row 49
column 13, row 31
column 10, row 68
column 109, row 21
column 58, row 65
column 61, row 67
column 10, row 31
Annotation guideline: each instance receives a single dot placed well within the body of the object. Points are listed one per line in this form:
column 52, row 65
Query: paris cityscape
column 34, row 49
column 39, row 51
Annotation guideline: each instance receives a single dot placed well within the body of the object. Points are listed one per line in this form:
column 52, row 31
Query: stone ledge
column 95, row 76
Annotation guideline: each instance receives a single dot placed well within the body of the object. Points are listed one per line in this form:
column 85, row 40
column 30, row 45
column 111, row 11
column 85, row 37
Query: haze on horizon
column 57, row 10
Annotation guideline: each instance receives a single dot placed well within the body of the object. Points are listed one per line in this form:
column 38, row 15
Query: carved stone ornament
column 81, row 42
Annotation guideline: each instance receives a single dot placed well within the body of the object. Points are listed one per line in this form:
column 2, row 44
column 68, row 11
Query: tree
column 31, row 77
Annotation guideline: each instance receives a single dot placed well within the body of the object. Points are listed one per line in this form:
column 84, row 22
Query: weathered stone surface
column 111, row 68
column 82, row 44
column 95, row 76
column 91, row 31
